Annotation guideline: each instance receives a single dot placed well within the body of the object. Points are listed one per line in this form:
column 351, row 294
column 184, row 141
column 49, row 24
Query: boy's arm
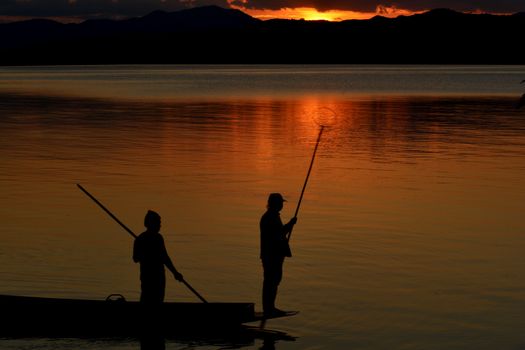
column 169, row 264
column 136, row 252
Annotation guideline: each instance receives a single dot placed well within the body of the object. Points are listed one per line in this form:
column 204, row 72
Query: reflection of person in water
column 149, row 250
column 152, row 343
column 274, row 248
column 268, row 344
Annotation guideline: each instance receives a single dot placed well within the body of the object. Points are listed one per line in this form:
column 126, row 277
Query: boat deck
column 32, row 316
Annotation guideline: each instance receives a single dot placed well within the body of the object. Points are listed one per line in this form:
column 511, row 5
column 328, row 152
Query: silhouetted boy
column 274, row 248
column 149, row 250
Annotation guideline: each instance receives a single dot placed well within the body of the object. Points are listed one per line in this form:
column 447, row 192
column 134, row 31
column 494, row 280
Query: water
column 410, row 234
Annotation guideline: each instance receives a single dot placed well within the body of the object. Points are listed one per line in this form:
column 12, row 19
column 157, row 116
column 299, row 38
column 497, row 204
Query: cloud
column 500, row 6
column 96, row 8
column 131, row 8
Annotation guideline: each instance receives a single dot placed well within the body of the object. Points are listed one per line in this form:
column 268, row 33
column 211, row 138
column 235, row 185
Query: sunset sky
column 333, row 10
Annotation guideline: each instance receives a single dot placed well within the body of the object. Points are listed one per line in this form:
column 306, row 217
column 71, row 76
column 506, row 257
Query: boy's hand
column 178, row 276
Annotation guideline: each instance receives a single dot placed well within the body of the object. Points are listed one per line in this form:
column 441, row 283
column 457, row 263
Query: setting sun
column 309, row 14
column 313, row 14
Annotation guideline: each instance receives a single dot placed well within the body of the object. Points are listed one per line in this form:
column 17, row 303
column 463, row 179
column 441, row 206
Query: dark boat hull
column 24, row 316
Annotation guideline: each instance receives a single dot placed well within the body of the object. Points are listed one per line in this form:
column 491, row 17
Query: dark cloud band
column 97, row 8
column 500, row 6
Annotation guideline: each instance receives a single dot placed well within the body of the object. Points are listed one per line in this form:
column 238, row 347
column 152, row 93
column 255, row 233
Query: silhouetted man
column 274, row 248
column 149, row 250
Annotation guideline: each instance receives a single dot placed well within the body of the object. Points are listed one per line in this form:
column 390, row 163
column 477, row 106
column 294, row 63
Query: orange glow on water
column 415, row 194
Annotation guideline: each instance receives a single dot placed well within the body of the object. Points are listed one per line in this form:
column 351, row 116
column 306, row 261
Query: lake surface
column 411, row 233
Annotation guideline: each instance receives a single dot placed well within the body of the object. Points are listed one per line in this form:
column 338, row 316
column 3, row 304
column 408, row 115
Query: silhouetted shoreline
column 215, row 35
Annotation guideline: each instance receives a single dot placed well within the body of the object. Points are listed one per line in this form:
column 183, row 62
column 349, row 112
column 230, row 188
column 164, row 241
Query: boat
column 115, row 316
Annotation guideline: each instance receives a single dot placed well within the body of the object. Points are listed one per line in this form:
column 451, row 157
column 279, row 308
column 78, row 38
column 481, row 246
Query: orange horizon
column 313, row 14
column 298, row 13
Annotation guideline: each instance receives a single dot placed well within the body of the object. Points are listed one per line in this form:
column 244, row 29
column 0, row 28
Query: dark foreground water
column 410, row 236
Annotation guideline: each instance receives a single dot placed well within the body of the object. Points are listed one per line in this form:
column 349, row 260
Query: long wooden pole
column 307, row 177
column 131, row 233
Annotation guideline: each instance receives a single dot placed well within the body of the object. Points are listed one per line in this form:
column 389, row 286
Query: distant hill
column 215, row 35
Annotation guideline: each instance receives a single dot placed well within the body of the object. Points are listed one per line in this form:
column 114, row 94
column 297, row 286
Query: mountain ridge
column 212, row 34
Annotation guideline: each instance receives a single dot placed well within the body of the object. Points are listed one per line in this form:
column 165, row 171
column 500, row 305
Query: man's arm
column 169, row 264
column 289, row 226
